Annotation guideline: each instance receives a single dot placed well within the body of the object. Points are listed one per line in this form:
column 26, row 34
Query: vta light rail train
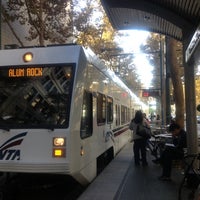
column 62, row 111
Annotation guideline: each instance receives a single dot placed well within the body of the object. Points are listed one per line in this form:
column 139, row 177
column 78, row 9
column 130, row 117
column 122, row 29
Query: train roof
column 41, row 55
column 92, row 58
column 54, row 54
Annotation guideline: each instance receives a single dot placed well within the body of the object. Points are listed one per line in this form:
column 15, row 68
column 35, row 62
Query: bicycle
column 191, row 177
column 156, row 146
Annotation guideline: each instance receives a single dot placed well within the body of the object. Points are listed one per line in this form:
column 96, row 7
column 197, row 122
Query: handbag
column 131, row 125
column 143, row 131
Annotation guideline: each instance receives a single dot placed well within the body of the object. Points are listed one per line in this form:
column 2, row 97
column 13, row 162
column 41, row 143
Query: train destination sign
column 25, row 72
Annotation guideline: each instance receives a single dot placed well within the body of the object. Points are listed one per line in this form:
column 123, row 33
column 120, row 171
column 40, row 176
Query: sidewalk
column 106, row 185
column 121, row 180
column 141, row 183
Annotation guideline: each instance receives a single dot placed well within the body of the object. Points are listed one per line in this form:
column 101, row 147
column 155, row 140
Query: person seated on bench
column 172, row 151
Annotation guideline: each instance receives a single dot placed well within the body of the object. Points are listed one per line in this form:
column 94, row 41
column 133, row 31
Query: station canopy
column 175, row 18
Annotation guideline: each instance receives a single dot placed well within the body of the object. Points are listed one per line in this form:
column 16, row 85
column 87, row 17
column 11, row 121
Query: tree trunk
column 176, row 82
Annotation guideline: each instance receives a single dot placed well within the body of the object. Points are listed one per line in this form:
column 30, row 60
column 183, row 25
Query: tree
column 152, row 48
column 47, row 20
column 93, row 29
column 5, row 18
column 174, row 49
column 62, row 21
column 176, row 73
column 84, row 21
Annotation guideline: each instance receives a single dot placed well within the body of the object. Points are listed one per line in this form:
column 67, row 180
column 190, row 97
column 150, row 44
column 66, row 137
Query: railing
column 191, row 177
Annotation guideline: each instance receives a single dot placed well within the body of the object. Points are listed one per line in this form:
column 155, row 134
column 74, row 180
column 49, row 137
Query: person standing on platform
column 139, row 145
column 158, row 119
column 146, row 120
column 146, row 124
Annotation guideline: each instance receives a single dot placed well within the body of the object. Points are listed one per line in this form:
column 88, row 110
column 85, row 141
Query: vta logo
column 6, row 151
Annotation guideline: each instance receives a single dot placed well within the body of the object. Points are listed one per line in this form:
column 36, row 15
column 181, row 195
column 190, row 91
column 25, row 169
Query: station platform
column 122, row 180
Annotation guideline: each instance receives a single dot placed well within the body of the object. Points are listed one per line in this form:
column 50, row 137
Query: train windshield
column 35, row 97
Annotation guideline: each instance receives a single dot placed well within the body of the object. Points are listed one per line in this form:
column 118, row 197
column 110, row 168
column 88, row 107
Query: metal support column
column 190, row 101
column 0, row 21
column 162, row 82
column 168, row 100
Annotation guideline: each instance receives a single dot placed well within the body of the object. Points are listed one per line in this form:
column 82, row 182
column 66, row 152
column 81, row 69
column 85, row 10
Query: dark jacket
column 180, row 141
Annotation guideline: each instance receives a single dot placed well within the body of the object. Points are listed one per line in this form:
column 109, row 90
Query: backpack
column 143, row 131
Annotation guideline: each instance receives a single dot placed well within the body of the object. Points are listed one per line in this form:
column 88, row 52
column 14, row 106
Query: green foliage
column 92, row 28
column 46, row 20
column 62, row 21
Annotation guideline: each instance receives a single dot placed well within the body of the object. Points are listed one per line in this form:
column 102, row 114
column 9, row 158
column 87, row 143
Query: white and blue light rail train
column 61, row 112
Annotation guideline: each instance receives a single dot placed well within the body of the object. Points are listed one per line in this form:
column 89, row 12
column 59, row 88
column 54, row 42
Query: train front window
column 37, row 97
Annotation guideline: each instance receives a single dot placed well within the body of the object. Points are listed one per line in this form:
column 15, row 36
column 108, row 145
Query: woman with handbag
column 139, row 146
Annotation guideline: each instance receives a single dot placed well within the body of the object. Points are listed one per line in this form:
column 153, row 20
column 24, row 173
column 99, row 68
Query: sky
column 131, row 44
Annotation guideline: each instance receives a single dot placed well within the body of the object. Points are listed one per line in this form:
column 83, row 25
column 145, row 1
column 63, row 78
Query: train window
column 86, row 117
column 124, row 114
column 117, row 113
column 35, row 97
column 128, row 115
column 132, row 113
column 109, row 110
column 101, row 109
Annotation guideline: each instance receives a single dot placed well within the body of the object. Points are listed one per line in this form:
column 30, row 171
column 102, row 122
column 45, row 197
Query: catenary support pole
column 190, row 101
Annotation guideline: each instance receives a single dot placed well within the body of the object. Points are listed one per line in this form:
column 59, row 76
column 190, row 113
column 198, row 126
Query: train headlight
column 59, row 152
column 58, row 142
column 27, row 57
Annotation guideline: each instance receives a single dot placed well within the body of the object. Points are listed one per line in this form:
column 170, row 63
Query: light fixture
column 28, row 57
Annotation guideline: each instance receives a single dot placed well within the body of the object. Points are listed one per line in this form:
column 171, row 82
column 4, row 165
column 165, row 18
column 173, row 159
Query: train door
column 109, row 137
column 101, row 119
column 93, row 122
column 86, row 118
column 117, row 122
